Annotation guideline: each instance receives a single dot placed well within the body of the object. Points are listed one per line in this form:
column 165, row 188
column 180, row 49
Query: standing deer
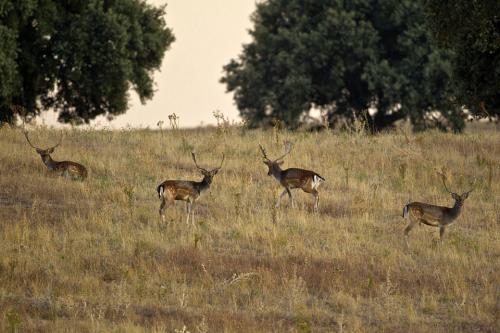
column 185, row 190
column 293, row 178
column 65, row 168
column 432, row 215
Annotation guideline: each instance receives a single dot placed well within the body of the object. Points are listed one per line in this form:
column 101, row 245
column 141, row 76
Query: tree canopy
column 472, row 30
column 78, row 57
column 343, row 57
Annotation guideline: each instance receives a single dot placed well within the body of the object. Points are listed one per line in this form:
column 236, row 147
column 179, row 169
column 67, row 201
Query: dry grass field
column 92, row 256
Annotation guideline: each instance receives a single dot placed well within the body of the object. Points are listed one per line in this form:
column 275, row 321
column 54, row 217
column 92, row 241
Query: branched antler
column 25, row 132
column 473, row 185
column 222, row 161
column 264, row 152
column 288, row 149
column 205, row 170
column 443, row 178
column 194, row 159
column 60, row 141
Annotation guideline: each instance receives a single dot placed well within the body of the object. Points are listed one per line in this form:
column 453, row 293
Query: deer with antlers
column 185, row 190
column 293, row 178
column 432, row 215
column 65, row 168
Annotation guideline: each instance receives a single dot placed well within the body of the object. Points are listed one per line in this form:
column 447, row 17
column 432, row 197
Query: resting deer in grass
column 65, row 168
column 435, row 216
column 292, row 178
column 185, row 190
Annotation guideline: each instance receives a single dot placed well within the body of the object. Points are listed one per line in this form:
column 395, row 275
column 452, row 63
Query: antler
column 443, row 178
column 60, row 141
column 264, row 152
column 473, row 185
column 222, row 161
column 194, row 159
column 288, row 149
column 28, row 139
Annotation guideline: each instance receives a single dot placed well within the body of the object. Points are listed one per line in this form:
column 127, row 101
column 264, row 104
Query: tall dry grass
column 92, row 256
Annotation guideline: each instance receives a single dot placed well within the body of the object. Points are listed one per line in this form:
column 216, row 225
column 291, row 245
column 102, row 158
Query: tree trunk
column 380, row 120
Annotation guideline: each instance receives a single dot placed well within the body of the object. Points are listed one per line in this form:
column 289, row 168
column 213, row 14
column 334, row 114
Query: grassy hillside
column 92, row 256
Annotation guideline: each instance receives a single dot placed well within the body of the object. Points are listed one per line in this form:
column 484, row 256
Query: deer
column 432, row 215
column 185, row 190
column 65, row 168
column 293, row 178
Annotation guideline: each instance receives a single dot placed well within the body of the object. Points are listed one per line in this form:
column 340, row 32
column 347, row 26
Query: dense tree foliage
column 343, row 57
column 79, row 57
column 472, row 30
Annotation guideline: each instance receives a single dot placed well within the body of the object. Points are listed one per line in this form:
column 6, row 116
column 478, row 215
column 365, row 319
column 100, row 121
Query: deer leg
column 162, row 209
column 410, row 226
column 281, row 196
column 290, row 196
column 192, row 213
column 441, row 232
column 315, row 194
column 189, row 212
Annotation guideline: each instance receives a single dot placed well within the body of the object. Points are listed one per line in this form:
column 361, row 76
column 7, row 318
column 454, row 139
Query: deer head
column 44, row 153
column 274, row 165
column 459, row 199
column 207, row 174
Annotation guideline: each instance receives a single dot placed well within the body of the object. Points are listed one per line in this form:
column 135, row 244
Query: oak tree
column 80, row 58
column 345, row 58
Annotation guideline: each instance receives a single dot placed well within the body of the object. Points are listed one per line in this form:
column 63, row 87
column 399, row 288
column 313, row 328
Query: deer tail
column 406, row 211
column 317, row 180
column 160, row 191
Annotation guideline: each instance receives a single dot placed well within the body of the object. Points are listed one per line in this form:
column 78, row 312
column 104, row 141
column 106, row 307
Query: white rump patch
column 160, row 193
column 405, row 212
column 316, row 182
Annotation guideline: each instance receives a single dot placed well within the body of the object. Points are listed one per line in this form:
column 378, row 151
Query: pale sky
column 208, row 35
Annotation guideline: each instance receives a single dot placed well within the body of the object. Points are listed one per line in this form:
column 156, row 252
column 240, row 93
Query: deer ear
column 465, row 195
column 39, row 151
column 455, row 196
column 50, row 151
column 280, row 162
